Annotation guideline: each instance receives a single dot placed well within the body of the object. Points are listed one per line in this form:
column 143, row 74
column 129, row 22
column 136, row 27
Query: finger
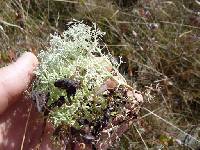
column 15, row 78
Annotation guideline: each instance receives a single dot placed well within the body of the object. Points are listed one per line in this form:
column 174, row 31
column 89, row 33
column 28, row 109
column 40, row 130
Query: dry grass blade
column 26, row 126
column 146, row 147
column 169, row 123
column 10, row 24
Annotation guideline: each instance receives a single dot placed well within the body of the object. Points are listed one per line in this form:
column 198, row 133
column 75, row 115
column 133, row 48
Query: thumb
column 15, row 78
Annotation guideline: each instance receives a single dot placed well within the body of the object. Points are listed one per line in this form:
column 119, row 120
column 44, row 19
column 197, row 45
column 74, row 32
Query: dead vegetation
column 159, row 41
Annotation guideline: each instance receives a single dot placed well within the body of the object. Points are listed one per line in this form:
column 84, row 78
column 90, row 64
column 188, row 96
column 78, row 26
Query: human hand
column 20, row 123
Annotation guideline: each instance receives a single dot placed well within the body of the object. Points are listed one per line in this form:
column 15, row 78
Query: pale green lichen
column 71, row 55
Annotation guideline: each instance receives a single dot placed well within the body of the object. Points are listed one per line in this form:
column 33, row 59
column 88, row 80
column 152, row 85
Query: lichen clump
column 75, row 55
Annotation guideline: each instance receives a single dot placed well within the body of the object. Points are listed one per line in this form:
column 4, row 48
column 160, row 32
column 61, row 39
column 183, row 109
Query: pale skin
column 20, row 123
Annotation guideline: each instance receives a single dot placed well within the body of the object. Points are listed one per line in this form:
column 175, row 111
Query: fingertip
column 28, row 57
column 15, row 78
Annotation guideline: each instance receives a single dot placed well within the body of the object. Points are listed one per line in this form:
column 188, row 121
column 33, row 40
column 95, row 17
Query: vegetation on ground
column 158, row 40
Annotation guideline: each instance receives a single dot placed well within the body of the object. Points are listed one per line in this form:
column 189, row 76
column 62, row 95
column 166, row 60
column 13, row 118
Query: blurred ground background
column 159, row 41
